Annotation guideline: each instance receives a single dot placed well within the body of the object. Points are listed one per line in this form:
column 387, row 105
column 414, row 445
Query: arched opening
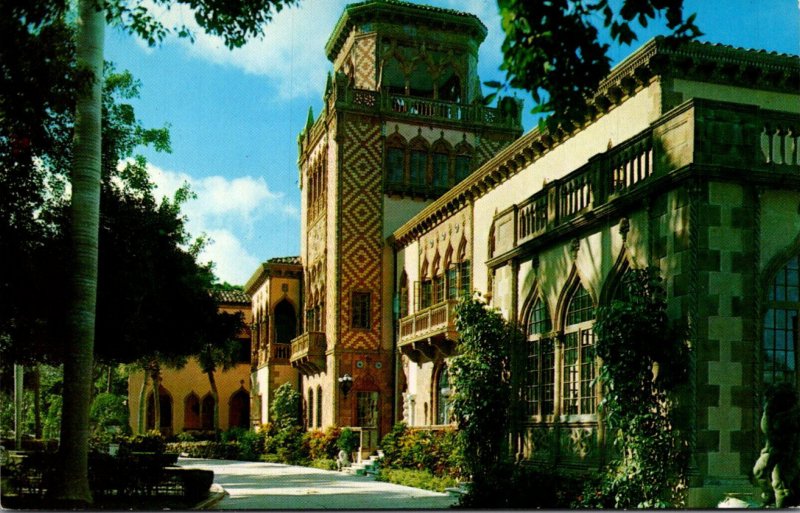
column 539, row 386
column 319, row 406
column 239, row 409
column 403, row 293
column 207, row 412
column 578, row 394
column 285, row 322
column 444, row 409
column 165, row 411
column 191, row 412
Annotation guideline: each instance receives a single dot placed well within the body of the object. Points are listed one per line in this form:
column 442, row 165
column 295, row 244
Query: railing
column 744, row 137
column 308, row 345
column 281, row 351
column 433, row 320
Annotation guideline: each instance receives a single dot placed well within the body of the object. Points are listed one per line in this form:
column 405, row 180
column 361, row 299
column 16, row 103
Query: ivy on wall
column 644, row 361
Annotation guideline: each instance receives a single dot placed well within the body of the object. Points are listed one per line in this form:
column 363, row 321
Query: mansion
column 414, row 193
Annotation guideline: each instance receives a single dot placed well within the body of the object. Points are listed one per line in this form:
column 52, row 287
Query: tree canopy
column 554, row 50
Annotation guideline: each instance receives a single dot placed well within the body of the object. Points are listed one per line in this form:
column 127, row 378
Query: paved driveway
column 253, row 485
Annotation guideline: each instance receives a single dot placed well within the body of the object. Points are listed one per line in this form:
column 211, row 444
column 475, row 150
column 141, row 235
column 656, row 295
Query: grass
column 416, row 479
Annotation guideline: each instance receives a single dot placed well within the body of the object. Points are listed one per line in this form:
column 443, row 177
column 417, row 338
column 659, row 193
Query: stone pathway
column 255, row 486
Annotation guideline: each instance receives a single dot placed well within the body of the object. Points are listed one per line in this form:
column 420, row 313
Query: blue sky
column 235, row 115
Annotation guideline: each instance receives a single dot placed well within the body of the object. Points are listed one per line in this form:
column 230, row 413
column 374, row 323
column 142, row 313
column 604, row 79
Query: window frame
column 578, row 338
column 360, row 310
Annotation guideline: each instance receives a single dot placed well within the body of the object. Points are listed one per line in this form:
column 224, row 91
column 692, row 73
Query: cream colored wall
column 181, row 382
column 743, row 95
column 623, row 122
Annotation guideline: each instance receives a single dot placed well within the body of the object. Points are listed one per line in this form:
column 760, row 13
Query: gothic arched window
column 443, row 392
column 578, row 395
column 539, row 388
column 781, row 325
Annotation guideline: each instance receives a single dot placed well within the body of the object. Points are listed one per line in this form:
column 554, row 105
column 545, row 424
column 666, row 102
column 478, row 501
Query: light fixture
column 345, row 384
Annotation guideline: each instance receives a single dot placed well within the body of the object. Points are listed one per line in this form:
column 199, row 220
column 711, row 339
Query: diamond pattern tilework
column 489, row 148
column 360, row 248
column 365, row 63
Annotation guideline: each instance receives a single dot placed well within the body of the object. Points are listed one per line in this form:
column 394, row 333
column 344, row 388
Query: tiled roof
column 294, row 260
column 231, row 296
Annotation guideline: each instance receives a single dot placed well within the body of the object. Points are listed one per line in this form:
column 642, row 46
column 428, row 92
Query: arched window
column 239, row 409
column 310, row 408
column 191, row 412
column 578, row 395
column 444, row 410
column 285, row 322
column 207, row 412
column 319, row 406
column 426, row 287
column 438, row 280
column 418, row 162
column 463, row 161
column 441, row 164
column 403, row 295
column 539, row 389
column 464, row 271
column 395, row 160
column 781, row 325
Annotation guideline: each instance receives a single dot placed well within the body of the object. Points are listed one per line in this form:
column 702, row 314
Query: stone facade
column 680, row 169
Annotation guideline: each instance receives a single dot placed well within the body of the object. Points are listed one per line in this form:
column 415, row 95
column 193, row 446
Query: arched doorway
column 239, row 409
column 191, row 412
column 285, row 322
column 207, row 412
column 165, row 411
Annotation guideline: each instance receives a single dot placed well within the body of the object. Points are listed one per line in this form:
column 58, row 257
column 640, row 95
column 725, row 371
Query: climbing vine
column 644, row 361
column 482, row 390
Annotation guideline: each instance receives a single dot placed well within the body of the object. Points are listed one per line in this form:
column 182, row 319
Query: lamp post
column 345, row 384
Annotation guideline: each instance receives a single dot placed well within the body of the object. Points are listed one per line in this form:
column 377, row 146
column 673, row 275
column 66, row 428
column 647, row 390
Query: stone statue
column 777, row 470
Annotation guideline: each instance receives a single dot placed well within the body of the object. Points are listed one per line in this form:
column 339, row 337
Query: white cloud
column 290, row 54
column 229, row 212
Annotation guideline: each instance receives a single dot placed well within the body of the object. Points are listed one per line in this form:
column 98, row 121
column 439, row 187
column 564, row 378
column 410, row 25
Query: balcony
column 701, row 138
column 280, row 353
column 429, row 332
column 308, row 352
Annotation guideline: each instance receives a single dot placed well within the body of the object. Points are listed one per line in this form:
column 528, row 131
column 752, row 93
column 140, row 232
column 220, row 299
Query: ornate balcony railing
column 699, row 132
column 280, row 352
column 429, row 330
column 308, row 352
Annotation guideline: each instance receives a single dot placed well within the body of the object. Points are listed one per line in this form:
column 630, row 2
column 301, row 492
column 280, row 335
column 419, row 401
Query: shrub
column 233, row 434
column 185, row 436
column 206, row 449
column 251, row 445
column 323, row 464
column 322, row 444
column 152, row 441
column 289, row 445
column 285, row 408
column 438, row 452
column 348, row 440
column 108, row 410
column 416, row 478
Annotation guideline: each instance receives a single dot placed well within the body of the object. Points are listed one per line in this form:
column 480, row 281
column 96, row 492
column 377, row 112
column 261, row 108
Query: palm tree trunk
column 72, row 482
column 156, row 397
column 215, row 396
column 37, row 401
column 140, row 421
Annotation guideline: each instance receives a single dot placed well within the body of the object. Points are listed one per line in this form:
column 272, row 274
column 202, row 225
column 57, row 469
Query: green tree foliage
column 552, row 48
column 645, row 360
column 285, row 407
column 108, row 411
column 480, row 377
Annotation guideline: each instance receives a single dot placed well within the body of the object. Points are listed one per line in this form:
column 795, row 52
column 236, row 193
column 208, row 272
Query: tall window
column 464, row 276
column 781, row 325
column 443, row 392
column 462, row 167
column 361, row 307
column 578, row 395
column 285, row 322
column 540, row 376
column 319, row 406
column 395, row 165
column 310, row 408
column 417, row 166
column 403, row 295
column 440, row 169
column 438, row 288
column 452, row 282
column 426, row 294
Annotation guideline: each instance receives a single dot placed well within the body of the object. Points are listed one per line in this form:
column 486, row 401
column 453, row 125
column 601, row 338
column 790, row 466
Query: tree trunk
column 72, row 481
column 140, row 421
column 215, row 396
column 37, row 401
column 156, row 397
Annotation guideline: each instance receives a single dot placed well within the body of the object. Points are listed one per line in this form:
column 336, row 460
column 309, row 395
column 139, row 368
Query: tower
column 402, row 123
